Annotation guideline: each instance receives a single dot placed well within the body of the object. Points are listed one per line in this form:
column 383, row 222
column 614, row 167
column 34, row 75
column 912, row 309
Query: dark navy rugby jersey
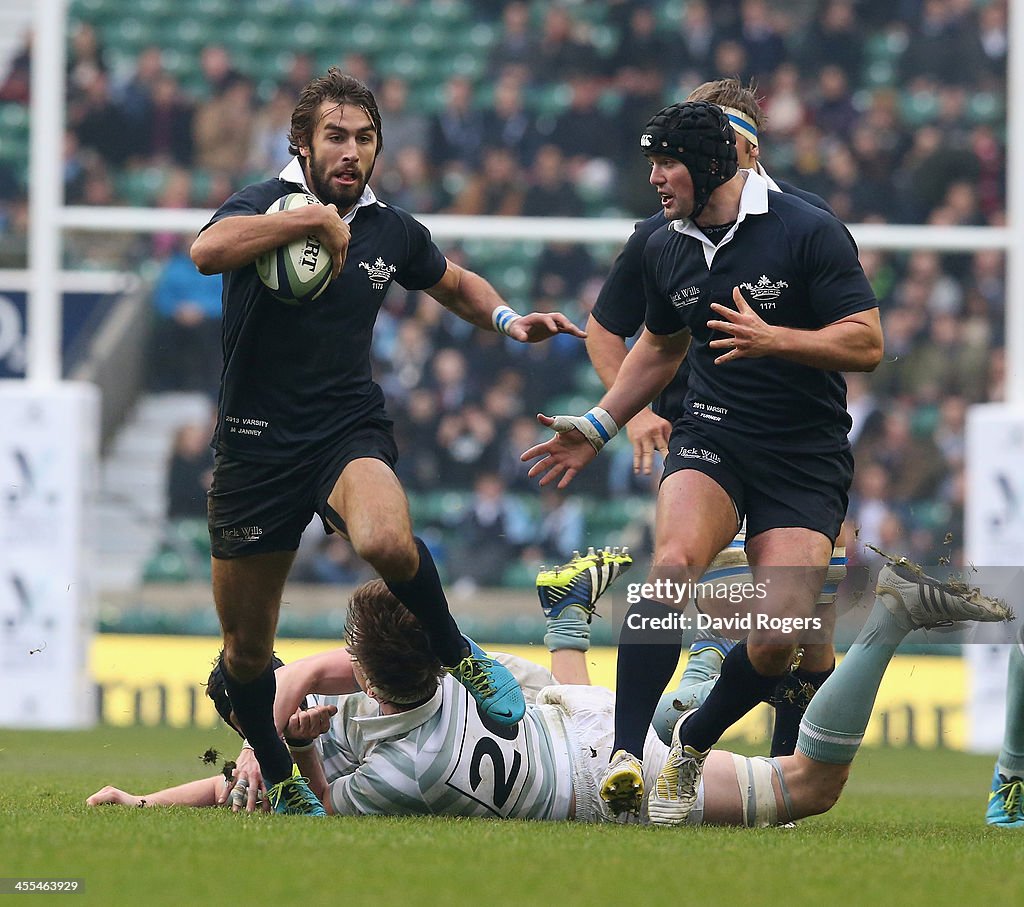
column 297, row 378
column 797, row 267
column 621, row 304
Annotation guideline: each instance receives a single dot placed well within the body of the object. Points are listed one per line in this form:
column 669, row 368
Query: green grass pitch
column 908, row 831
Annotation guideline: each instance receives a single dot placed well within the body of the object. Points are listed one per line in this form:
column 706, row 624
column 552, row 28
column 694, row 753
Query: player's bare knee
column 244, row 659
column 391, row 554
column 771, row 654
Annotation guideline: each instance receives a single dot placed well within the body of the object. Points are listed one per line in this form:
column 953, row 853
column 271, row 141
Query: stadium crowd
column 892, row 112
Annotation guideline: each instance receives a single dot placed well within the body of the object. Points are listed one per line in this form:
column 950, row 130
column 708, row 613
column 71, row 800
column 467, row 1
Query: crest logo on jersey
column 682, row 298
column 764, row 289
column 379, row 272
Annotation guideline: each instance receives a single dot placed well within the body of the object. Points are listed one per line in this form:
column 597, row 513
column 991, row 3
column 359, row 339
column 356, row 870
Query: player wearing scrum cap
column 618, row 314
column 771, row 294
column 302, row 429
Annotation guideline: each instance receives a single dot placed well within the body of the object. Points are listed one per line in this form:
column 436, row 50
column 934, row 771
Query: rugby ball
column 298, row 272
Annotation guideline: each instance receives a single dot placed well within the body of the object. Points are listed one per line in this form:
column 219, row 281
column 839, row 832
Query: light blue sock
column 834, row 724
column 570, row 630
column 1011, row 756
column 699, row 678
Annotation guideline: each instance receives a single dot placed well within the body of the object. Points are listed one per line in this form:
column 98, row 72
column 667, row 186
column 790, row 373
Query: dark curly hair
column 392, row 649
column 333, row 86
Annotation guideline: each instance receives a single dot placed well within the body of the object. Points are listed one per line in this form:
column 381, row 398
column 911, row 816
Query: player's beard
column 320, row 182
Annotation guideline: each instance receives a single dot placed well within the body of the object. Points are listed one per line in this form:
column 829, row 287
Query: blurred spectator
column 217, row 68
column 515, row 47
column 270, row 129
column 833, row 109
column 561, row 53
column 409, row 183
column 186, row 336
column 508, row 125
column 468, row 441
column 522, row 432
column 990, row 183
column 176, row 192
column 694, row 44
column 994, row 41
column 457, row 131
column 561, row 270
column 223, row 125
column 302, row 69
column 189, row 472
column 584, row 130
column 550, row 192
column 165, row 134
column 562, row 526
column 834, row 37
column 135, row 96
column 863, row 408
column 449, row 380
column 491, row 534
column 406, row 126
column 332, row 562
column 928, row 168
column 940, row 45
column 497, row 189
column 949, row 360
column 98, row 122
column 17, row 82
column 419, row 467
column 762, row 39
column 86, row 60
column 783, row 105
column 642, row 40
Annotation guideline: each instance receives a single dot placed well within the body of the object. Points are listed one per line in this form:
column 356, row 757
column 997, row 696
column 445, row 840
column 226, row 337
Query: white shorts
column 590, row 711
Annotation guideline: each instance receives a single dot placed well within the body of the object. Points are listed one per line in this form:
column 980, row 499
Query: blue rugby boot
column 491, row 684
column 293, row 797
column 1005, row 802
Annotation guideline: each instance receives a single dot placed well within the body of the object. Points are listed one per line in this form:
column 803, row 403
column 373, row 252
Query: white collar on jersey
column 753, row 200
column 293, row 173
column 760, row 171
column 380, row 727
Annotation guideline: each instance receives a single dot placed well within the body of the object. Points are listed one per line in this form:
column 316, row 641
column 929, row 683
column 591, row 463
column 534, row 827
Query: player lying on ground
column 415, row 743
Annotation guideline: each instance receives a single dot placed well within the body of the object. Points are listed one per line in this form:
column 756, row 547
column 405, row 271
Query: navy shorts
column 260, row 507
column 771, row 489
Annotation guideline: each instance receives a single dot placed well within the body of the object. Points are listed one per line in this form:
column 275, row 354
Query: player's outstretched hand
column 750, row 336
column 647, row 433
column 564, row 455
column 538, row 326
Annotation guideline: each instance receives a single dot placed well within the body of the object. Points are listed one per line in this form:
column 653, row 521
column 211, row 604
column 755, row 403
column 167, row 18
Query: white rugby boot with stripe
column 906, row 590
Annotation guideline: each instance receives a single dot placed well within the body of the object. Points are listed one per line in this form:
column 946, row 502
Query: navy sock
column 424, row 596
column 790, row 700
column 740, row 687
column 253, row 705
column 643, row 671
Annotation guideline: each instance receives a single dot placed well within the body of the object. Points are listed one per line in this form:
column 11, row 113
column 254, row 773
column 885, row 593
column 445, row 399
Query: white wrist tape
column 503, row 317
column 596, row 426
